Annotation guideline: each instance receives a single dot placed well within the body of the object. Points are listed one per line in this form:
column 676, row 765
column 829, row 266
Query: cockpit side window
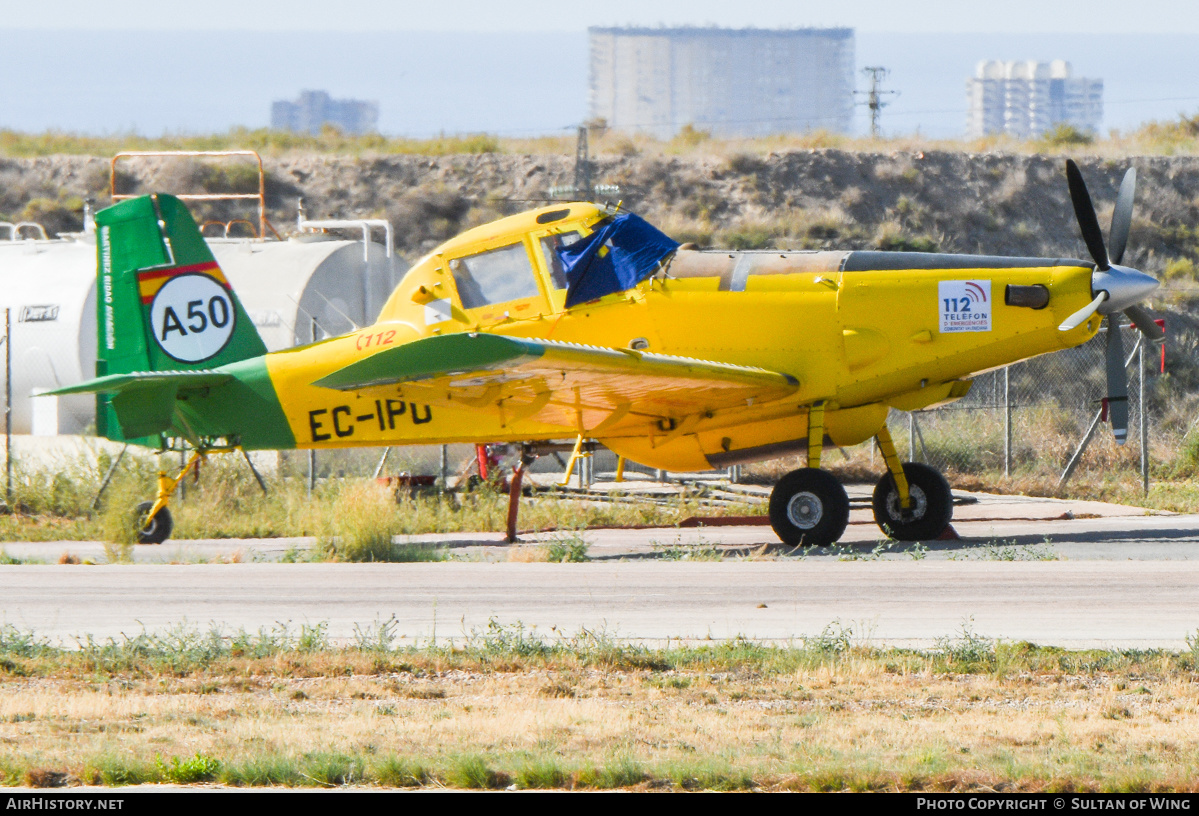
column 550, row 245
column 495, row 276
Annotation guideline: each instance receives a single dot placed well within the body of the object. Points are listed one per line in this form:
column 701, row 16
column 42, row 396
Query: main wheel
column 152, row 530
column 809, row 506
column 931, row 510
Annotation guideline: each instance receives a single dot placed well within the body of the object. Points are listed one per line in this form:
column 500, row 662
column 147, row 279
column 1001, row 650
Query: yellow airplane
column 584, row 322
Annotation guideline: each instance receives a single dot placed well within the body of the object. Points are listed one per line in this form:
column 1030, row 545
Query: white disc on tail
column 192, row 317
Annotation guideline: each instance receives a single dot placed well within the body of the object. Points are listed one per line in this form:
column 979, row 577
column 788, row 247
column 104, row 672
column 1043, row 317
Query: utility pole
column 874, row 96
column 583, row 190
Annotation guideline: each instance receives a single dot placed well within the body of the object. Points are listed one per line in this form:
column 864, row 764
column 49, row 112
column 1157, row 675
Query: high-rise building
column 314, row 109
column 732, row 82
column 1026, row 99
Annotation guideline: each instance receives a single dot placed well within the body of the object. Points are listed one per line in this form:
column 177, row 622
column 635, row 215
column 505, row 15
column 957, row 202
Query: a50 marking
column 192, row 317
column 197, row 320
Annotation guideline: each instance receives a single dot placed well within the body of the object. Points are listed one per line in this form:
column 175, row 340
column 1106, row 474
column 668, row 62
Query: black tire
column 152, row 530
column 932, row 507
column 810, row 507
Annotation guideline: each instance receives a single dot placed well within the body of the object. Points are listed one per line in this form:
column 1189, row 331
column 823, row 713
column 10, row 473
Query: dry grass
column 1170, row 137
column 826, row 714
column 528, row 554
column 350, row 514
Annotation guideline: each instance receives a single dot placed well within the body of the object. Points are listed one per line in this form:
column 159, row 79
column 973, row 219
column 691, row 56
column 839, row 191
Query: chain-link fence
column 1044, row 416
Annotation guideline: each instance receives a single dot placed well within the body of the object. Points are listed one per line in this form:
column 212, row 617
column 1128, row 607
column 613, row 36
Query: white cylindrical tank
column 287, row 285
column 49, row 288
column 290, row 289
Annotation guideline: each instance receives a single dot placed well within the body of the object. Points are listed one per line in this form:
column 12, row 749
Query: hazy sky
column 994, row 16
column 519, row 67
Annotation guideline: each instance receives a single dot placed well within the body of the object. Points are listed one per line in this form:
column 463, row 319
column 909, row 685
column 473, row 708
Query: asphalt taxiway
column 1073, row 574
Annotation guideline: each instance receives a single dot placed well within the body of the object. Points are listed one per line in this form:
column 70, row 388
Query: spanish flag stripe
column 148, row 283
column 177, row 270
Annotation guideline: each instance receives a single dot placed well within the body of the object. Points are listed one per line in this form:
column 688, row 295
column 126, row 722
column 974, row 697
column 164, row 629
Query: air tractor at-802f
column 581, row 321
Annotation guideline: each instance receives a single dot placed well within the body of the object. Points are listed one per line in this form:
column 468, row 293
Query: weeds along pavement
column 505, row 705
column 508, row 707
column 226, row 517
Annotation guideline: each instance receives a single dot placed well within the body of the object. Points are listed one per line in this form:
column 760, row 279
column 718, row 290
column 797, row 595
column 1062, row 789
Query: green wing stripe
column 432, row 357
column 453, row 354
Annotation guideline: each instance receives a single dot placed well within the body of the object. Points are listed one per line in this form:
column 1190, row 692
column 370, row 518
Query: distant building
column 314, row 109
column 1026, row 99
column 732, row 82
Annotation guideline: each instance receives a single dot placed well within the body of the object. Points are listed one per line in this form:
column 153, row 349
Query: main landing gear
column 912, row 502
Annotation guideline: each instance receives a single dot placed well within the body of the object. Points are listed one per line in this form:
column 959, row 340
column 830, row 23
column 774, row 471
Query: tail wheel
column 152, row 530
column 931, row 510
column 809, row 506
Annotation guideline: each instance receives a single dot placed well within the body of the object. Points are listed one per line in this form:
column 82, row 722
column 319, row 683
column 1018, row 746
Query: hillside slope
column 989, row 203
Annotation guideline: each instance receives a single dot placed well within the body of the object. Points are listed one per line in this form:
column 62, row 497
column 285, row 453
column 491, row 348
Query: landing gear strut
column 152, row 520
column 809, row 506
column 912, row 502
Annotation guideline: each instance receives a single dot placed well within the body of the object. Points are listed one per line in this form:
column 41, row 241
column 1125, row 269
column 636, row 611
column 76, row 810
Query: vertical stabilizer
column 163, row 302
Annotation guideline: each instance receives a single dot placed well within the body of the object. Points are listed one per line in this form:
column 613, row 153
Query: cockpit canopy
column 531, row 264
column 618, row 254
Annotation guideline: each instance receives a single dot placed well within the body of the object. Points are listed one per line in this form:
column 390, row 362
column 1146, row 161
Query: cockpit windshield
column 550, row 245
column 496, row 276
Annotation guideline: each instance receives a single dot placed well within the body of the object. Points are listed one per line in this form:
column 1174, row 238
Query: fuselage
column 861, row 332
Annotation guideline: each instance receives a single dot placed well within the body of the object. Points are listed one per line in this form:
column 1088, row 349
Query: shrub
column 1065, row 134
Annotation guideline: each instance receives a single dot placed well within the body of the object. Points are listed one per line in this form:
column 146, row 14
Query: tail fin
column 164, row 304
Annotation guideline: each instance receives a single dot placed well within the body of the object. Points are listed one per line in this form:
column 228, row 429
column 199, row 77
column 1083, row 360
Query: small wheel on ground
column 931, row 510
column 809, row 506
column 152, row 530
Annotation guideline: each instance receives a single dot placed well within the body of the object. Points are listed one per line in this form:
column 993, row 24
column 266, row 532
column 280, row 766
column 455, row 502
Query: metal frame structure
column 260, row 196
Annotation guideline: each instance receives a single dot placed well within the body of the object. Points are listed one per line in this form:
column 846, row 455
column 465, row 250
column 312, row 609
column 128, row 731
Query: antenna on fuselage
column 329, row 303
column 315, row 324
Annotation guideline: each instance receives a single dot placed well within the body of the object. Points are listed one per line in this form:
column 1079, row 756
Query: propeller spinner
column 1116, row 288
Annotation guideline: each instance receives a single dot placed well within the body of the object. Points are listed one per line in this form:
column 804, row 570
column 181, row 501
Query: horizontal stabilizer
column 136, row 380
column 144, row 402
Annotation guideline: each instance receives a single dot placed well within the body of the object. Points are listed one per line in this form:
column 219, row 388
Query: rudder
column 163, row 302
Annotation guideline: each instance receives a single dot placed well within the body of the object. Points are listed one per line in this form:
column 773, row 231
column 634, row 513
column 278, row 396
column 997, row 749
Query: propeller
column 1116, row 288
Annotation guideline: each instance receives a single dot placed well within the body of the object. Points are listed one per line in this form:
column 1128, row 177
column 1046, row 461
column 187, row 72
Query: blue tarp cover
column 616, row 257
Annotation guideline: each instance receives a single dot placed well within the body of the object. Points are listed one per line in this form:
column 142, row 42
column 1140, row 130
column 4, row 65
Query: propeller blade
column 1084, row 211
column 1117, row 382
column 1117, row 237
column 1084, row 314
column 1153, row 332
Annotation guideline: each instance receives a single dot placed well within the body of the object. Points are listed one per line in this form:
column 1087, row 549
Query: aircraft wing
column 561, row 383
